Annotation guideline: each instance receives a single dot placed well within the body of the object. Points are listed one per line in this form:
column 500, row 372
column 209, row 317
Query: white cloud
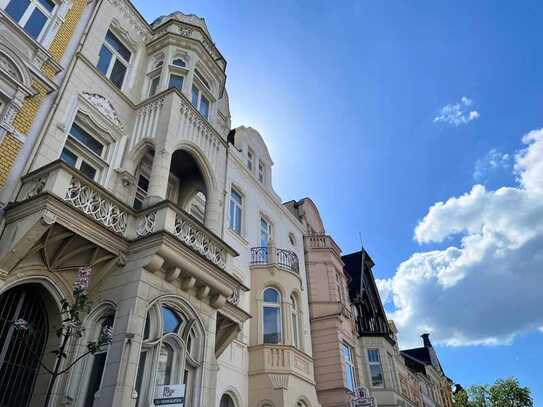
column 492, row 162
column 457, row 113
column 486, row 289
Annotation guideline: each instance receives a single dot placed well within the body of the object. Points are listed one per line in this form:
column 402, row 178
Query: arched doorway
column 227, row 401
column 19, row 350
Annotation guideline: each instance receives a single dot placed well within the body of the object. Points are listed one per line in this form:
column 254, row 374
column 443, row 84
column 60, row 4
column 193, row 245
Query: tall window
column 376, row 370
column 32, row 15
column 199, row 101
column 84, row 152
column 271, row 316
column 348, row 366
column 113, row 59
column 392, row 370
column 295, row 318
column 97, row 362
column 261, row 171
column 141, row 191
column 235, row 211
column 265, row 232
column 250, row 160
column 171, row 354
column 339, row 286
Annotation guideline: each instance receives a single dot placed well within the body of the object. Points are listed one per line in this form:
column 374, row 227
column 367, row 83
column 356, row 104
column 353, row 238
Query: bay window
column 176, row 81
column 32, row 15
column 271, row 316
column 114, row 59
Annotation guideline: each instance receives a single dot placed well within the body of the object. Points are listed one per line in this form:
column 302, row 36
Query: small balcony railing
column 283, row 259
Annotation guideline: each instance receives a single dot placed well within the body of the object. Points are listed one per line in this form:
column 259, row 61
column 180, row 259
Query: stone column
column 158, row 182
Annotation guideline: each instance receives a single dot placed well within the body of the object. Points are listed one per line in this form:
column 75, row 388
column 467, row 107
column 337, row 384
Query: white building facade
column 197, row 267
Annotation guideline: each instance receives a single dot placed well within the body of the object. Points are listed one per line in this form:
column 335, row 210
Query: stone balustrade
column 283, row 359
column 97, row 203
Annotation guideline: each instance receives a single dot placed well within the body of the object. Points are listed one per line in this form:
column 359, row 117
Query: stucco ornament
column 104, row 106
column 9, row 67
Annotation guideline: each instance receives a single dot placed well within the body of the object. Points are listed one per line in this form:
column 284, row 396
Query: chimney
column 426, row 340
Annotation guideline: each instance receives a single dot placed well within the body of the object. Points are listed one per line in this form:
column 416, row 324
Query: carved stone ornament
column 129, row 14
column 103, row 106
column 9, row 67
column 48, row 217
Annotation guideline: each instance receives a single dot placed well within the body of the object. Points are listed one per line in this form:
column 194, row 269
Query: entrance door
column 18, row 368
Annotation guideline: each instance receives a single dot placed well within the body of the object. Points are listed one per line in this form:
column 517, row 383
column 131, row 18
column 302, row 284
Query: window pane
column 95, row 377
column 237, row 225
column 118, row 46
column 376, row 375
column 86, row 139
column 154, row 85
column 176, row 81
column 48, row 4
column 16, row 8
column 349, row 377
column 164, row 369
column 170, row 321
column 139, row 377
column 68, row 157
column 264, row 233
column 103, row 60
column 201, row 77
column 204, row 107
column 87, row 170
column 295, row 329
column 117, row 73
column 195, row 93
column 271, row 296
column 35, row 23
column 272, row 333
column 373, row 356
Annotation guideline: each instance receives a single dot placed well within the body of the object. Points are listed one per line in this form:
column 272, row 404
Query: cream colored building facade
column 197, row 266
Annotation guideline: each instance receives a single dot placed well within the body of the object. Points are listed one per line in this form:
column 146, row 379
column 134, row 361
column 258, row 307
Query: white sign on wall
column 170, row 395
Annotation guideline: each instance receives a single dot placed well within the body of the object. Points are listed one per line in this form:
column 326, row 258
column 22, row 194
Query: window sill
column 237, row 236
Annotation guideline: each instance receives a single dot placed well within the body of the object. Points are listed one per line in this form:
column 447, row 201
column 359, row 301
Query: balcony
column 280, row 359
column 180, row 240
column 272, row 256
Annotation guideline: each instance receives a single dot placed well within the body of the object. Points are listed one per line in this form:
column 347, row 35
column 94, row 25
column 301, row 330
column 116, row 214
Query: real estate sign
column 172, row 395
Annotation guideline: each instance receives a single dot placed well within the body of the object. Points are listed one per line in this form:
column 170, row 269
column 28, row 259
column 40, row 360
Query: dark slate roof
column 353, row 266
column 421, row 354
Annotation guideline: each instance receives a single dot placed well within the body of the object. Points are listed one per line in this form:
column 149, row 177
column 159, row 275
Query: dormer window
column 114, row 59
column 32, row 15
column 200, row 102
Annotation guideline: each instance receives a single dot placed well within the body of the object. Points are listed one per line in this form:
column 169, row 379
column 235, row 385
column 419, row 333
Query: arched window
column 179, row 62
column 295, row 321
column 226, row 401
column 171, row 353
column 96, row 362
column 271, row 316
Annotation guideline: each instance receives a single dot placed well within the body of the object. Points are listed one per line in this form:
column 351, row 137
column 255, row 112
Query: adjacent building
column 333, row 328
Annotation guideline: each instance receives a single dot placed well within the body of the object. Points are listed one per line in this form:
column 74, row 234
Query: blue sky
column 346, row 95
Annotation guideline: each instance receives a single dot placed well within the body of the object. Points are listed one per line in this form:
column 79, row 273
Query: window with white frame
column 295, row 321
column 114, row 59
column 97, row 362
column 348, row 366
column 236, row 210
column 32, row 15
column 200, row 102
column 84, row 152
column 376, row 370
column 250, row 159
column 271, row 316
column 171, row 353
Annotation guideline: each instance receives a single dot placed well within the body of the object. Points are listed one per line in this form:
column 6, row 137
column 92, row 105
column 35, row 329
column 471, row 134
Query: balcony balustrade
column 280, row 359
column 281, row 258
column 95, row 202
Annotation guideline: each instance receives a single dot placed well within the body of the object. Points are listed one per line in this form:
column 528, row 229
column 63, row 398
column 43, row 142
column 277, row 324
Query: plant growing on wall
column 72, row 315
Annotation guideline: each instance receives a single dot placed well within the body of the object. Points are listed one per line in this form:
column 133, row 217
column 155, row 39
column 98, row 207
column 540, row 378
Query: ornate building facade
column 197, row 267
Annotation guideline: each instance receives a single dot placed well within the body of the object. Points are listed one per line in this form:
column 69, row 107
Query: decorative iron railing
column 284, row 259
